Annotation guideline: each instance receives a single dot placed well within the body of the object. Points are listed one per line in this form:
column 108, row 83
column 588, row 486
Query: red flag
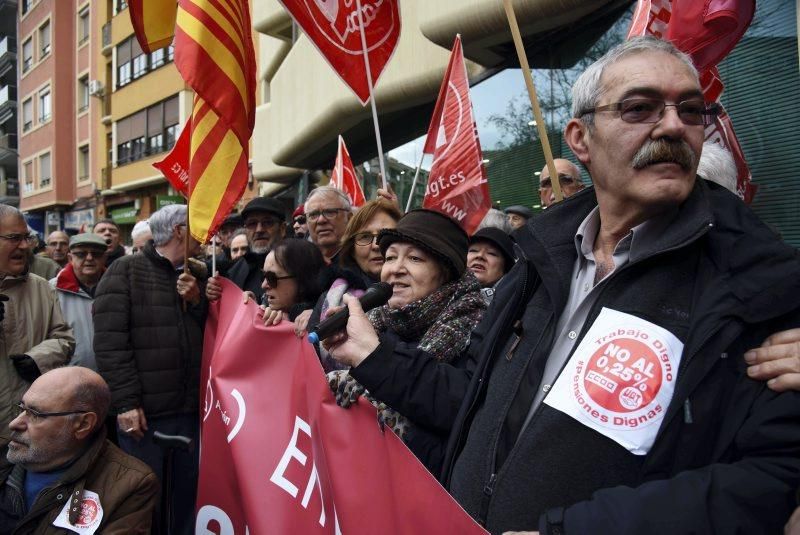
column 706, row 30
column 457, row 186
column 279, row 456
column 333, row 27
column 175, row 166
column 344, row 176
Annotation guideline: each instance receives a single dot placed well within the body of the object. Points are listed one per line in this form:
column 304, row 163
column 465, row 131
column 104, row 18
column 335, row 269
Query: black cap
column 265, row 204
column 499, row 239
column 233, row 220
column 436, row 233
column 518, row 209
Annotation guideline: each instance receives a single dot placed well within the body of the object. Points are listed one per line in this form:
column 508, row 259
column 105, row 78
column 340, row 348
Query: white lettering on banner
column 454, row 211
column 180, row 172
column 293, row 452
column 242, row 413
column 620, row 379
column 211, row 513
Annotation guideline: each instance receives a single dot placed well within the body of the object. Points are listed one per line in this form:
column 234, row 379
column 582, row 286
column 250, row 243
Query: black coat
column 727, row 456
column 245, row 272
column 147, row 348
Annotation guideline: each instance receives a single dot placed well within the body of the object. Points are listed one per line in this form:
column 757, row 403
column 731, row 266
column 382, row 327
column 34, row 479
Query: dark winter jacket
column 125, row 486
column 727, row 455
column 245, row 272
column 147, row 348
column 114, row 255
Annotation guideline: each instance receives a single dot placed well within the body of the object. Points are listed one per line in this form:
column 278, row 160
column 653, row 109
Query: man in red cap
column 299, row 223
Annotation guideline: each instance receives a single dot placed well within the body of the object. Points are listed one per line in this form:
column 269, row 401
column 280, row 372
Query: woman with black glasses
column 359, row 263
column 291, row 278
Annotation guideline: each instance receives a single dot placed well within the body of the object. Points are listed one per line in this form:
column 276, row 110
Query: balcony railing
column 105, row 179
column 107, row 38
column 8, row 141
column 9, row 188
column 7, row 94
column 8, row 44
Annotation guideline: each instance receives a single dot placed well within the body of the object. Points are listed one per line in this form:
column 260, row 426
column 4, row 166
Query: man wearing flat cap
column 75, row 285
column 264, row 222
column 518, row 215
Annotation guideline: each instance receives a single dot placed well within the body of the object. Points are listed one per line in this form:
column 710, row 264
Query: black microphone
column 375, row 296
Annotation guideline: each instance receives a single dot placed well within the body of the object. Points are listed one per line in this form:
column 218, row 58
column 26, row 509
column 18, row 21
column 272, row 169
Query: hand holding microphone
column 360, row 338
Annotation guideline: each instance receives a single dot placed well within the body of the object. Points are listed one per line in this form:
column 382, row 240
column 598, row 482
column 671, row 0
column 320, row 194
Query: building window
column 83, row 163
column 27, row 177
column 150, row 131
column 121, row 4
column 44, row 170
column 27, row 55
column 27, row 115
column 83, row 25
column 26, row 5
column 45, row 108
column 83, row 93
column 44, row 39
column 133, row 63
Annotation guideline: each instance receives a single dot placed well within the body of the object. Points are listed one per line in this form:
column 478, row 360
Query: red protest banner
column 457, row 186
column 344, row 176
column 279, row 456
column 707, row 31
column 333, row 27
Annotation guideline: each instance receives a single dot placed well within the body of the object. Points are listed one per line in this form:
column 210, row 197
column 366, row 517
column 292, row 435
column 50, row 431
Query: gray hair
column 587, row 90
column 717, row 165
column 329, row 190
column 6, row 210
column 140, row 228
column 494, row 218
column 239, row 232
column 164, row 221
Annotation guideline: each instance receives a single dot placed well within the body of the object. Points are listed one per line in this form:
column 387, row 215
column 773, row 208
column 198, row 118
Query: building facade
column 9, row 184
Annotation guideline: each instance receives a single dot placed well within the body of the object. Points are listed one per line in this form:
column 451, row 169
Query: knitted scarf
column 442, row 321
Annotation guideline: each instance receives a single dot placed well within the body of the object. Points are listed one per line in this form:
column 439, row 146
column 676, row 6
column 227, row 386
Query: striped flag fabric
column 214, row 54
column 153, row 21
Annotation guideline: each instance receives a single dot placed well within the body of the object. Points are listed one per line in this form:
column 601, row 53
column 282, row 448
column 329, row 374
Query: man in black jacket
column 606, row 389
column 148, row 348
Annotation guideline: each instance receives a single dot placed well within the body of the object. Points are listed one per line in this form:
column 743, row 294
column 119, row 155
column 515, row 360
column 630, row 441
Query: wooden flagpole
column 414, row 183
column 371, row 94
column 186, row 250
column 537, row 112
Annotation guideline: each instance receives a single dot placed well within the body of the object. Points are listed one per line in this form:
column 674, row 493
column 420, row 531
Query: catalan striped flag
column 214, row 54
column 153, row 21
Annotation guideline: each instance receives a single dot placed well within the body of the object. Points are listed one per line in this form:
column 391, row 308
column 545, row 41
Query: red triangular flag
column 344, row 176
column 333, row 27
column 457, row 186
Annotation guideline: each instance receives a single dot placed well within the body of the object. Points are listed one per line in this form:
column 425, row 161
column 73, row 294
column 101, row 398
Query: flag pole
column 537, row 112
column 186, row 251
column 371, row 93
column 414, row 183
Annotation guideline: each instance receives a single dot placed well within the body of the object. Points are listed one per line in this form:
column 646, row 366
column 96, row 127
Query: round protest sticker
column 90, row 508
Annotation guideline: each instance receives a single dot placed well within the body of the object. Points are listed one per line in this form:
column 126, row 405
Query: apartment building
column 9, row 186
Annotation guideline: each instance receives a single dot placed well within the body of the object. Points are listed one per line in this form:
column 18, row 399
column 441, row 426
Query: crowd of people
column 467, row 359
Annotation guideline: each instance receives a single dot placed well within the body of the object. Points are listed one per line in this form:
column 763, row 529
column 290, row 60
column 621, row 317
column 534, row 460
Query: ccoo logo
column 337, row 21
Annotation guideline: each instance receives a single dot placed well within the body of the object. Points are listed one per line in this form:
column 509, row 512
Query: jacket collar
column 67, row 281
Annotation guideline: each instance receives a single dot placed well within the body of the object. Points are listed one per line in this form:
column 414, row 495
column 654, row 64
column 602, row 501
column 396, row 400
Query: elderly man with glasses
column 569, row 178
column 327, row 212
column 264, row 223
column 612, row 393
column 34, row 337
column 66, row 476
column 57, row 246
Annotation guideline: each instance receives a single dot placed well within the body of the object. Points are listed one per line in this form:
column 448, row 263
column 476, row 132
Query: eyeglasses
column 252, row 224
column 300, row 220
column 328, row 213
column 34, row 416
column 16, row 239
column 365, row 238
column 651, row 110
column 80, row 255
column 272, row 278
column 564, row 180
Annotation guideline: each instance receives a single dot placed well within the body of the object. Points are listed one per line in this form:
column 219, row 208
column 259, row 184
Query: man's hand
column 213, row 288
column 777, row 361
column 270, row 316
column 248, row 296
column 133, row 423
column 301, row 323
column 188, row 288
column 389, row 195
column 359, row 339
column 26, row 367
column 793, row 525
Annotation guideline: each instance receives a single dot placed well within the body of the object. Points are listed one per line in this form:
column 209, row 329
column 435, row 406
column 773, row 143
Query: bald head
column 569, row 177
column 77, row 387
column 58, row 246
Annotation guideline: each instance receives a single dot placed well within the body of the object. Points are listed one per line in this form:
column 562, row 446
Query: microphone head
column 380, row 291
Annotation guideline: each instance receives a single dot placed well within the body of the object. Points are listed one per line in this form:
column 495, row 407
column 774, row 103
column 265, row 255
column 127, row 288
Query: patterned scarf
column 442, row 321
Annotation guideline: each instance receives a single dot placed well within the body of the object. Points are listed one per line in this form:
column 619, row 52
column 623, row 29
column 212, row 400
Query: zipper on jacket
column 517, row 338
column 488, row 490
column 687, row 412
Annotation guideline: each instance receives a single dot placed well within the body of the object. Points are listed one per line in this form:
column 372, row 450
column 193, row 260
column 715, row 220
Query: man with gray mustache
column 606, row 390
